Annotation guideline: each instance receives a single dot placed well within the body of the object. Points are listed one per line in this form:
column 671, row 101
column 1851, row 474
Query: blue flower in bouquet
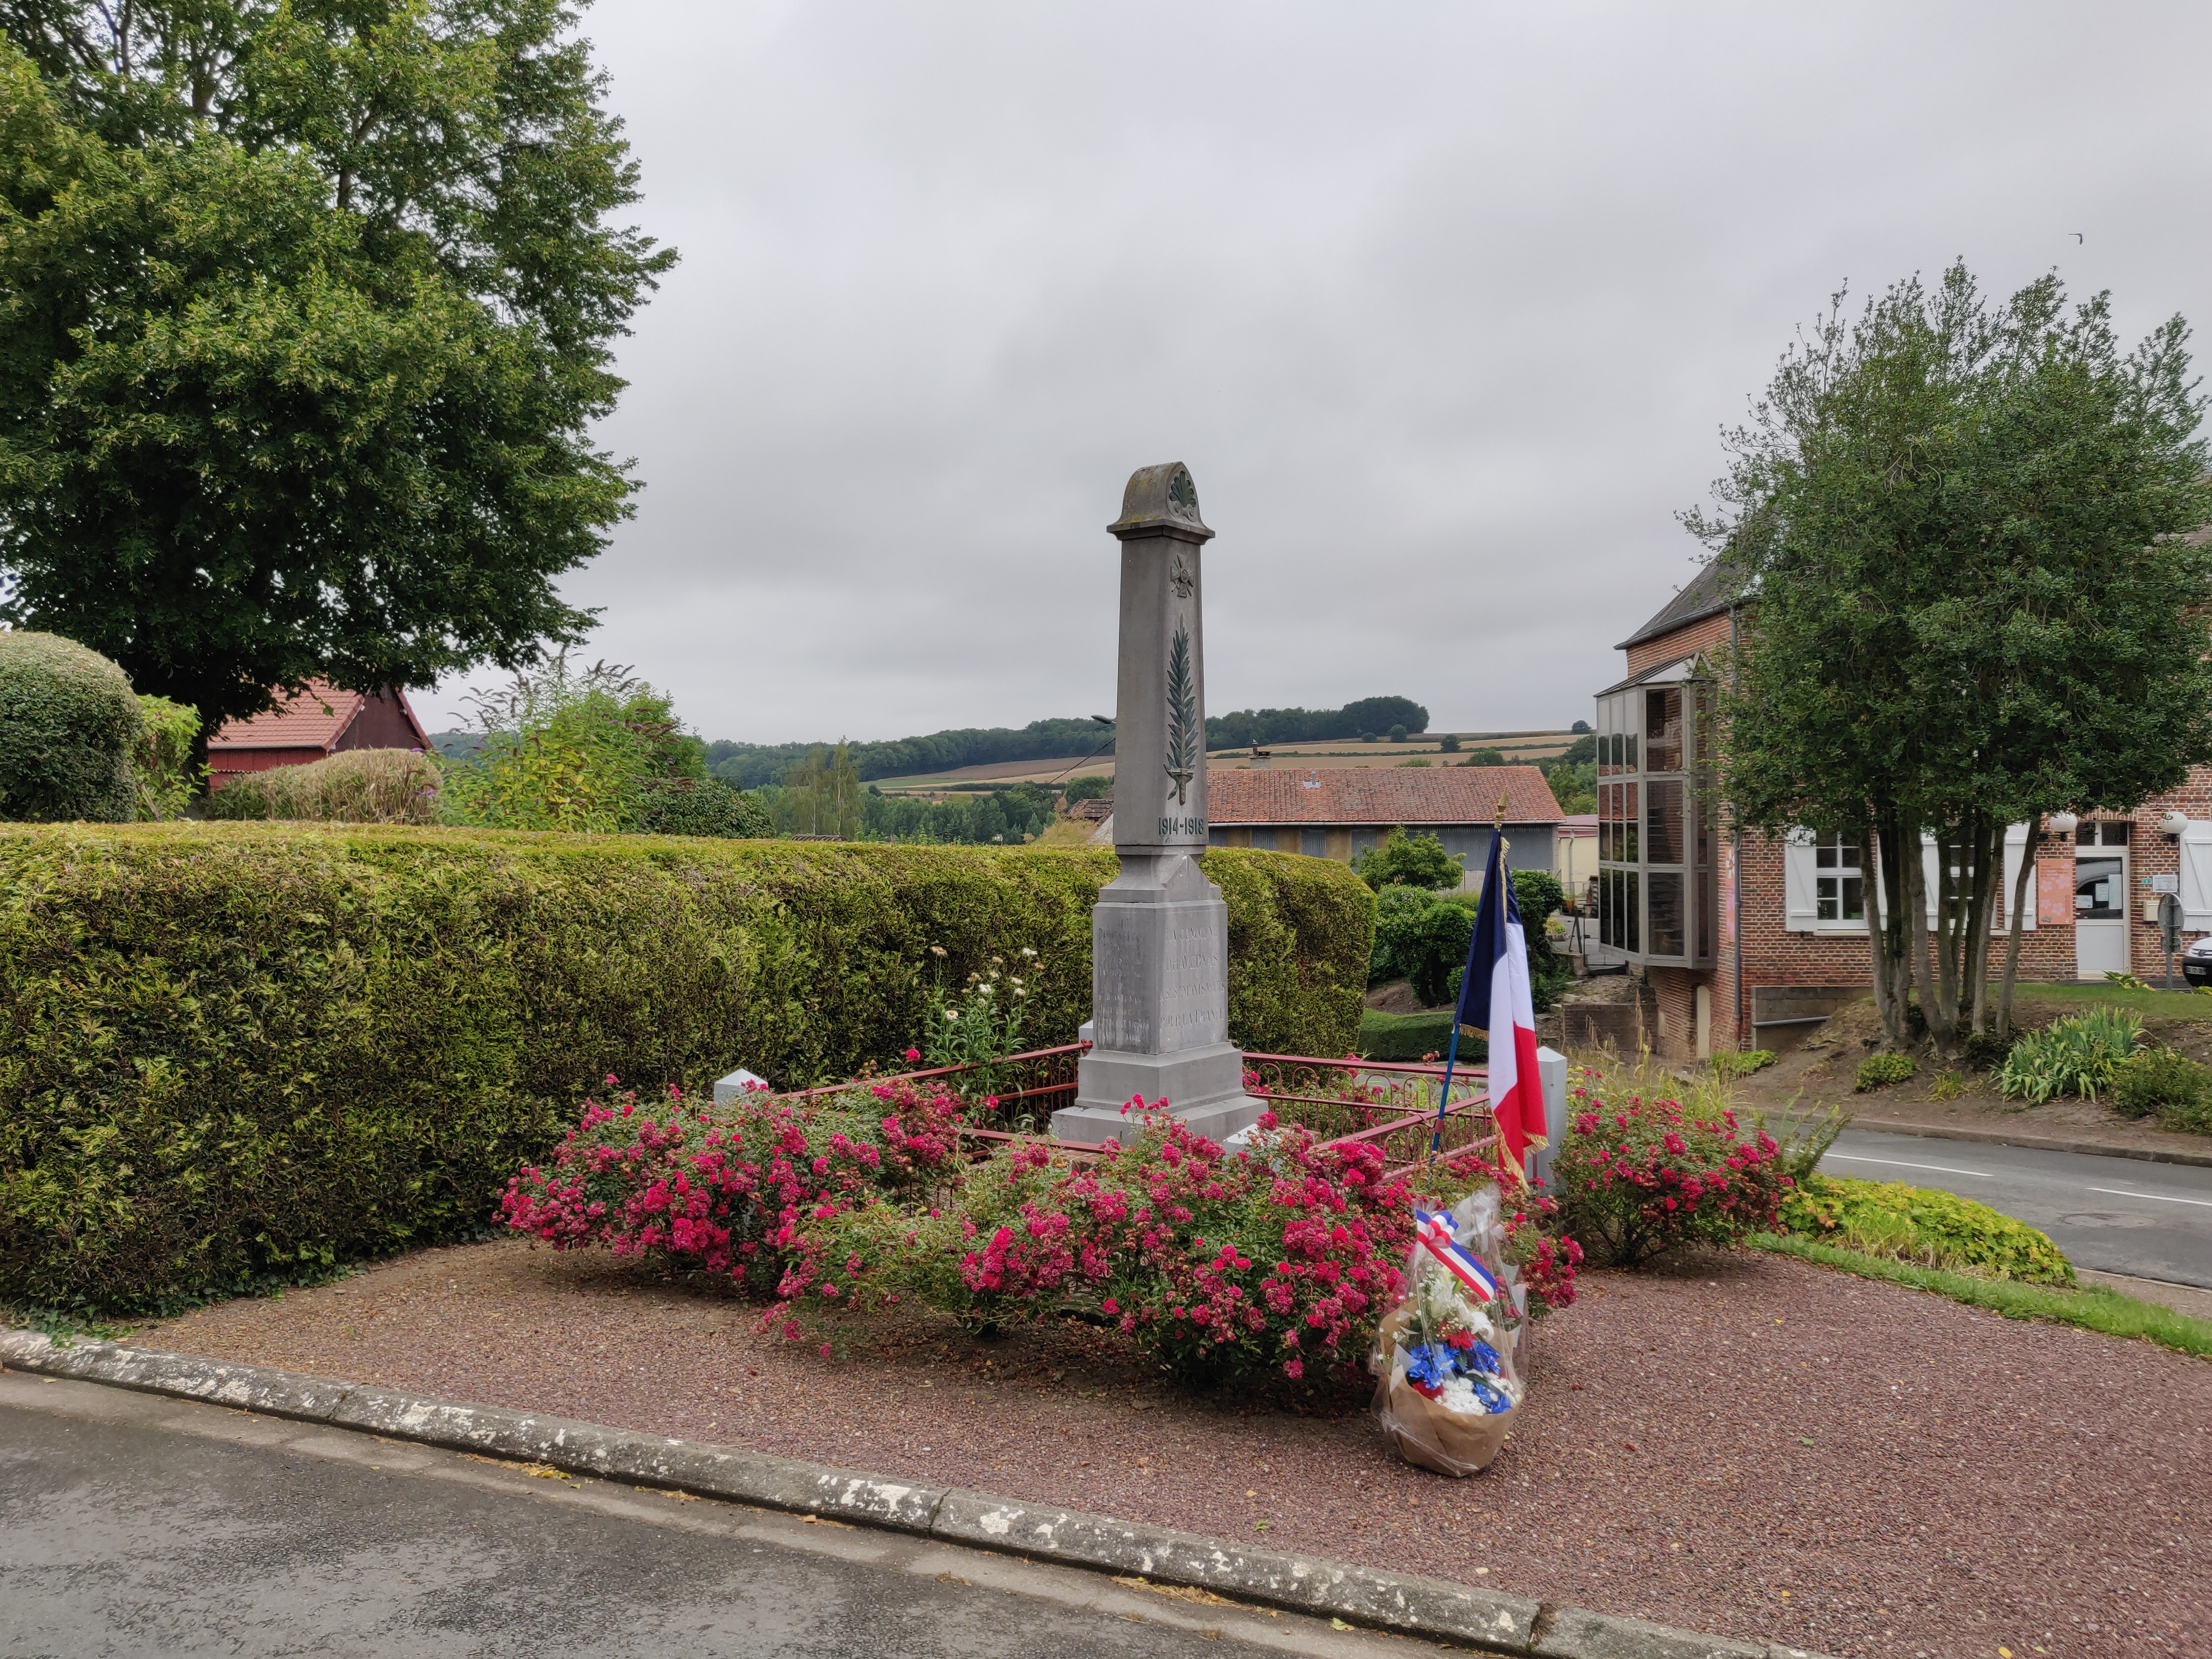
column 1492, row 1401
column 1428, row 1367
column 1482, row 1360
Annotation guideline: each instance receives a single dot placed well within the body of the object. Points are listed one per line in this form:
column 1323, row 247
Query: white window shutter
column 1799, row 912
column 2015, row 849
column 2197, row 876
column 1930, row 875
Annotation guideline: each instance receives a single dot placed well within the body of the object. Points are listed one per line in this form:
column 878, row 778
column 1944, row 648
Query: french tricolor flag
column 1494, row 999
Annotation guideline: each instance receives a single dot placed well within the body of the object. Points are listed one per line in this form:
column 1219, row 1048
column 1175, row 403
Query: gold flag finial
column 1498, row 822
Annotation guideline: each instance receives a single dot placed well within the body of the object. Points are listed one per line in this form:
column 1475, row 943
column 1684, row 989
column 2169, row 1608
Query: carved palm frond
column 1183, row 713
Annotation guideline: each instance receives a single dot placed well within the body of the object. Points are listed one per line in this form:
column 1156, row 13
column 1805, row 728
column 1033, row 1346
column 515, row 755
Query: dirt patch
column 1397, row 998
column 1748, row 1445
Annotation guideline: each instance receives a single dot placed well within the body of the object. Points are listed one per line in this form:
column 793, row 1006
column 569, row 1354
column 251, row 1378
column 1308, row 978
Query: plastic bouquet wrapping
column 1448, row 1388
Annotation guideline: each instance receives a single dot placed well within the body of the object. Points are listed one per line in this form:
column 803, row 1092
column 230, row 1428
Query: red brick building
column 312, row 725
column 1747, row 942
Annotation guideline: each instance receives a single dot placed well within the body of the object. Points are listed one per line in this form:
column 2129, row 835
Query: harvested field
column 1747, row 1445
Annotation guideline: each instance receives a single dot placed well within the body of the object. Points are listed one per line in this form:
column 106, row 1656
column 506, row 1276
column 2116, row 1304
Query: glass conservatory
column 1656, row 880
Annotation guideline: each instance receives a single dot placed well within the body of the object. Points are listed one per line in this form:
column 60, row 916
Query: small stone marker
column 1159, row 933
column 727, row 1089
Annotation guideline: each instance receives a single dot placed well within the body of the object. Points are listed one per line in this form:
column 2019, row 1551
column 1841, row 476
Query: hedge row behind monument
column 68, row 722
column 226, row 1050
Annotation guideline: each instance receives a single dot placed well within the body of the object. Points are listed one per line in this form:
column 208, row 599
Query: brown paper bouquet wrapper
column 1427, row 1435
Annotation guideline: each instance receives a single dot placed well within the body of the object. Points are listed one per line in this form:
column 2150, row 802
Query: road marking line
column 2161, row 1197
column 1898, row 1162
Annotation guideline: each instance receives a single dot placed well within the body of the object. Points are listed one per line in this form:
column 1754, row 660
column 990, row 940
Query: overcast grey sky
column 1442, row 304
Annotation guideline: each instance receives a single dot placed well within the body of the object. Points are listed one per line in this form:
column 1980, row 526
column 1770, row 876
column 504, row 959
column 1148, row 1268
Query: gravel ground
column 1748, row 1445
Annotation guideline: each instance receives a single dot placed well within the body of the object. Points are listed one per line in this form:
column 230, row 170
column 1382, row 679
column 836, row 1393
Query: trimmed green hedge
column 1409, row 1036
column 229, row 1050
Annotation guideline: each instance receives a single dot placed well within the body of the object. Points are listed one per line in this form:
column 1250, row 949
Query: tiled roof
column 1709, row 591
column 1380, row 795
column 299, row 722
column 313, row 719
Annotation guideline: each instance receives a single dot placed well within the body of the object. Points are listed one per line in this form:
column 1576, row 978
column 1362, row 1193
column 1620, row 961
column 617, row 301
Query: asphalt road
column 131, row 1524
column 2116, row 1215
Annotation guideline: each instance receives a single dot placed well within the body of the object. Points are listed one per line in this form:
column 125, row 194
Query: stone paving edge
column 1406, row 1603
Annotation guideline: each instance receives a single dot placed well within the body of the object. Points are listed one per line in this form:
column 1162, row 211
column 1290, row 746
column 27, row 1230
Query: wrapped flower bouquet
column 1448, row 1387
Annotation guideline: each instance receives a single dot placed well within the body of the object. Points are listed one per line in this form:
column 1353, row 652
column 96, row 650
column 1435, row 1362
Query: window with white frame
column 1838, row 884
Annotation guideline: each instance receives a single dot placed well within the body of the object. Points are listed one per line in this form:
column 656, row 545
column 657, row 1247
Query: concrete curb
column 2037, row 1143
column 1403, row 1602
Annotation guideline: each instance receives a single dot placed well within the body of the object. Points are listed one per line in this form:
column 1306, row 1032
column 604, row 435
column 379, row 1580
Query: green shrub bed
column 1932, row 1230
column 230, row 1051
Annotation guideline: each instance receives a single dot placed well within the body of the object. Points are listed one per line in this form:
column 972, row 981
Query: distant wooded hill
column 749, row 765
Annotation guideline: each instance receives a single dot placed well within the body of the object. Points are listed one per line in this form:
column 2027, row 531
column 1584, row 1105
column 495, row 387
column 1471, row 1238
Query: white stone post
column 1159, row 933
column 1551, row 1068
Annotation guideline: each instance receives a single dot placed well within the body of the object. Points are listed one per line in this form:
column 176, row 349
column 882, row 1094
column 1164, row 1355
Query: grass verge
column 2094, row 1309
column 2158, row 1005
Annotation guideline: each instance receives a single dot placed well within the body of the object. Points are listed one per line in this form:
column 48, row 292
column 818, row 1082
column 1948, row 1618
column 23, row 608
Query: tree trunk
column 2019, row 902
column 1890, row 939
column 1989, row 873
column 1920, row 937
column 1941, row 1010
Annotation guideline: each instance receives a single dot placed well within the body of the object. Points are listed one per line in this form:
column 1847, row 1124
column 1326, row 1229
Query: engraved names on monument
column 1160, row 931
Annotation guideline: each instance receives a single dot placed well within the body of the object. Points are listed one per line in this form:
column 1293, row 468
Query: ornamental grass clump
column 2077, row 1056
column 1643, row 1171
column 355, row 786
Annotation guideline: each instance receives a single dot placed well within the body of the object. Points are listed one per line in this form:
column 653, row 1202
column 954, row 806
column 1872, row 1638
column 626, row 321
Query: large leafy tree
column 1964, row 526
column 306, row 309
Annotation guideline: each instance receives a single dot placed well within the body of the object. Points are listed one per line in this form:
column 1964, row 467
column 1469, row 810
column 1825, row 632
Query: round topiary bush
column 69, row 724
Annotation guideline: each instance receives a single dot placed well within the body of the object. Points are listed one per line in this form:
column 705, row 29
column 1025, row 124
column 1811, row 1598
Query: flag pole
column 1497, row 847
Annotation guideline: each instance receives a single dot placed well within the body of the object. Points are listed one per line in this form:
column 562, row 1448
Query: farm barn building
column 1341, row 813
column 1748, row 943
column 310, row 725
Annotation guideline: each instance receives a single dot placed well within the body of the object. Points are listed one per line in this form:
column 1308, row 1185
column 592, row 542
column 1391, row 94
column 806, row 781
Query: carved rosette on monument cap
column 1159, row 933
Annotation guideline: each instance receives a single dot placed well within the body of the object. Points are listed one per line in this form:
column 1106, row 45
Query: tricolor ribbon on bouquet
column 1494, row 999
column 1438, row 1236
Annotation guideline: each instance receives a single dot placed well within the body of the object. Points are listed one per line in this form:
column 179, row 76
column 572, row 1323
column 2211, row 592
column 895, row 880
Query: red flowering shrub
column 1546, row 1257
column 729, row 1189
column 1286, row 1253
column 1283, row 1256
column 1639, row 1176
column 1217, row 1263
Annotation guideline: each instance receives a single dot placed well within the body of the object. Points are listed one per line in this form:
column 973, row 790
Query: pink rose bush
column 1641, row 1175
column 1216, row 1263
column 1280, row 1258
column 730, row 1189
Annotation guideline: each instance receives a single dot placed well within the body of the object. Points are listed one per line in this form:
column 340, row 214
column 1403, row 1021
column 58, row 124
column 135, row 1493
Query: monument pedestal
column 1159, row 949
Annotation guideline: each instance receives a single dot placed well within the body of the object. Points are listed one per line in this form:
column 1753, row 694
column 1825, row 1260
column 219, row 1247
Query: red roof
column 316, row 718
column 1380, row 795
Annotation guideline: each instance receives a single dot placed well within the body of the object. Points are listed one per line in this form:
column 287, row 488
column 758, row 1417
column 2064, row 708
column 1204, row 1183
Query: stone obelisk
column 1159, row 933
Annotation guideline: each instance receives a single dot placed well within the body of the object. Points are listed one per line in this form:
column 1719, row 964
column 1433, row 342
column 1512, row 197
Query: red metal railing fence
column 1389, row 1103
